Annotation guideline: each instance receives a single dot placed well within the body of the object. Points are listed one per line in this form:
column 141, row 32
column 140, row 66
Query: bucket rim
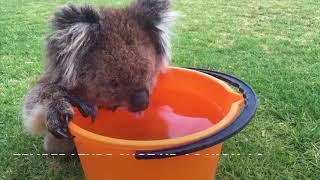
column 229, row 117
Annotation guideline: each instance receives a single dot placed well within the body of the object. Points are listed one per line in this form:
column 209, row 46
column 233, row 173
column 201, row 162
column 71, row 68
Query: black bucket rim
column 242, row 120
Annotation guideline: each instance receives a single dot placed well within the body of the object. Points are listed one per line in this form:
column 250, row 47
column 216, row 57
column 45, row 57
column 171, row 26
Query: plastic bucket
column 179, row 136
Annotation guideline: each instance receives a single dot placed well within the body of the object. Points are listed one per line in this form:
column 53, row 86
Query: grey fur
column 38, row 102
column 52, row 144
column 164, row 26
column 159, row 18
column 76, row 32
column 72, row 14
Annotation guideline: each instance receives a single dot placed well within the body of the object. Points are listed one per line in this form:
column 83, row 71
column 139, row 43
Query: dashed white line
column 141, row 154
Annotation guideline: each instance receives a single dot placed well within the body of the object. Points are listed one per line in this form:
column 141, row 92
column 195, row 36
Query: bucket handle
column 236, row 126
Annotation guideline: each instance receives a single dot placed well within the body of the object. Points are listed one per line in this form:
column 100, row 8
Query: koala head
column 110, row 57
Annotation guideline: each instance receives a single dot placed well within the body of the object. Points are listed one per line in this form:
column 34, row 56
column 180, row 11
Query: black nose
column 139, row 101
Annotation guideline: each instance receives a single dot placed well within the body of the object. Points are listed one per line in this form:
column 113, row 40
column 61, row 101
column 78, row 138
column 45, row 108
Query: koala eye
column 113, row 83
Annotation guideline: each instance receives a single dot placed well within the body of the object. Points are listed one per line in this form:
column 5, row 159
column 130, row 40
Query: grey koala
column 97, row 58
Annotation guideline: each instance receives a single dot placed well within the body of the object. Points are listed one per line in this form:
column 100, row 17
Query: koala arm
column 48, row 107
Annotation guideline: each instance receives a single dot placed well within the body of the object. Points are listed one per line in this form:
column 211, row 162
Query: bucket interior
column 181, row 104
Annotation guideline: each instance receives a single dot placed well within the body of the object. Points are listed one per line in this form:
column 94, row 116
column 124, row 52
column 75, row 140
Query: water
column 167, row 117
column 178, row 125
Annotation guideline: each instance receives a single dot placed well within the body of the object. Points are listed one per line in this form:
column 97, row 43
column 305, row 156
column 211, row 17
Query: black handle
column 237, row 125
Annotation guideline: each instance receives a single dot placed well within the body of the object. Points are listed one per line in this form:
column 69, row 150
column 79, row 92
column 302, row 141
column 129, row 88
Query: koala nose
column 139, row 101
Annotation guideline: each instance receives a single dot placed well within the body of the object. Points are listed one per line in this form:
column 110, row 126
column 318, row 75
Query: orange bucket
column 179, row 136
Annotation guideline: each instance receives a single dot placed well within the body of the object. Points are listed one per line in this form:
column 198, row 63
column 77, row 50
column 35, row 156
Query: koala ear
column 157, row 18
column 76, row 30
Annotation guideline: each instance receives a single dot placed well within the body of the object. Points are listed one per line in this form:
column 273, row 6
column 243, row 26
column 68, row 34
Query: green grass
column 273, row 45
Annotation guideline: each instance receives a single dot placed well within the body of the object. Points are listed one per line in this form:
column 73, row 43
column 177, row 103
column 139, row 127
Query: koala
column 97, row 58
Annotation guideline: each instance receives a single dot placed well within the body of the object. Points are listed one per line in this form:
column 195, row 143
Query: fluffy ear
column 157, row 17
column 76, row 30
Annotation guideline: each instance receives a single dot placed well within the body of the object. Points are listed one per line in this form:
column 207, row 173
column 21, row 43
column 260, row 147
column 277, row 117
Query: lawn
column 273, row 45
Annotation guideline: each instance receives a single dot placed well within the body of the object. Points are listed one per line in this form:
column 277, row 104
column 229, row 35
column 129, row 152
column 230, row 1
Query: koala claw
column 85, row 108
column 57, row 122
column 63, row 132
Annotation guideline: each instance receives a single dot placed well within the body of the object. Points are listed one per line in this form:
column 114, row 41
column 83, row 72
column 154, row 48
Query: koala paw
column 85, row 108
column 58, row 116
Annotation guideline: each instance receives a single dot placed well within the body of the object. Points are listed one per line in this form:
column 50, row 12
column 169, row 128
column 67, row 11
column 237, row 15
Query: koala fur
column 97, row 58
